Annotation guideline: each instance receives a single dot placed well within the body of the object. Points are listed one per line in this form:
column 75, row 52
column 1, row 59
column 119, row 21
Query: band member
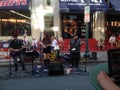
column 46, row 44
column 15, row 48
column 74, row 47
column 34, row 43
column 55, row 46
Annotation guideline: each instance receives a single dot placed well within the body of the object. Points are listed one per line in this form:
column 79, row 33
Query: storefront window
column 73, row 24
column 12, row 21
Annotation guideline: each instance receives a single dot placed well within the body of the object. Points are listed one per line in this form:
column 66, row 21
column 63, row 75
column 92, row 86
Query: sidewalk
column 23, row 80
column 5, row 64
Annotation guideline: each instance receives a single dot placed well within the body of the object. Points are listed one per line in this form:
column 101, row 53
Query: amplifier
column 55, row 69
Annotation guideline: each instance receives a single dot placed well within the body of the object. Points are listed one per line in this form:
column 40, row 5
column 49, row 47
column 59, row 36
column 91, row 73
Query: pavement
column 23, row 80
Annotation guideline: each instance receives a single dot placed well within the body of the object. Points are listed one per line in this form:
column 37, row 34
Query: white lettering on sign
column 96, row 1
column 12, row 2
column 82, row 1
column 69, row 0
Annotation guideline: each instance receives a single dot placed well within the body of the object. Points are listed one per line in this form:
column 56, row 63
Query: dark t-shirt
column 16, row 44
column 75, row 44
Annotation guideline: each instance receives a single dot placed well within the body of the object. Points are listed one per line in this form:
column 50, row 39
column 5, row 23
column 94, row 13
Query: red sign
column 12, row 2
column 87, row 14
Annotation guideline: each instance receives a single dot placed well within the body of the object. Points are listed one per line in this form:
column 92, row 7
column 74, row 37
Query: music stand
column 30, row 54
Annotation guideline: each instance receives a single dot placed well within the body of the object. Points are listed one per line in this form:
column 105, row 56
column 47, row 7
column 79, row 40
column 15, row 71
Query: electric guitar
column 15, row 52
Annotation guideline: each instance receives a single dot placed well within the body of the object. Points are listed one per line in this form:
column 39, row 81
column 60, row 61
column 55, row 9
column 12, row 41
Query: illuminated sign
column 79, row 4
column 82, row 1
column 14, row 4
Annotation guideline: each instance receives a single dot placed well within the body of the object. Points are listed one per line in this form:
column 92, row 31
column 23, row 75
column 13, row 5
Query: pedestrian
column 112, row 40
column 101, row 44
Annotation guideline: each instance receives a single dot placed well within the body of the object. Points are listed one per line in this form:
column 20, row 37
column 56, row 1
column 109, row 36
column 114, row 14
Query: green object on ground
column 93, row 74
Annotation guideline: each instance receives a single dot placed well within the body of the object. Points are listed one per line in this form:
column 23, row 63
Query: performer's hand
column 42, row 45
column 17, row 50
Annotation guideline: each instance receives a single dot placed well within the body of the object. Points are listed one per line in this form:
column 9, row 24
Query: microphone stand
column 10, row 73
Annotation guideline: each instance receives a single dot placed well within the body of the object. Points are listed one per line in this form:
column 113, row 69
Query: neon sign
column 12, row 4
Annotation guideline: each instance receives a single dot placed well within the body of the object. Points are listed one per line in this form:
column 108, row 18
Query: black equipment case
column 55, row 69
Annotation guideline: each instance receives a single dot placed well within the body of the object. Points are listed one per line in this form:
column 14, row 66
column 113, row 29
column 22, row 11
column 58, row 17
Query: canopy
column 78, row 5
column 115, row 4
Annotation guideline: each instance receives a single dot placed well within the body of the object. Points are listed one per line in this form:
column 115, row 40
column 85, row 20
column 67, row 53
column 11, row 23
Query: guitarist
column 74, row 46
column 46, row 44
column 15, row 48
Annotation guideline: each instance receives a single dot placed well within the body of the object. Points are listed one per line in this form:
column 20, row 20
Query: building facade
column 48, row 16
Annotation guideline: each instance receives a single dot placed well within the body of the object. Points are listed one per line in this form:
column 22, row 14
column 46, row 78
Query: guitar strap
column 19, row 44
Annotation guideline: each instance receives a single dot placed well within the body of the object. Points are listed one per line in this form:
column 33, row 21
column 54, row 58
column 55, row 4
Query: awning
column 14, row 4
column 78, row 5
column 115, row 4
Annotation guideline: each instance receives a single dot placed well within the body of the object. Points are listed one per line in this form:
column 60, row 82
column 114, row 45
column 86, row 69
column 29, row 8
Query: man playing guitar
column 15, row 48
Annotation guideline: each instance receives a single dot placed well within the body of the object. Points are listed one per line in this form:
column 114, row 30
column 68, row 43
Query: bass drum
column 53, row 56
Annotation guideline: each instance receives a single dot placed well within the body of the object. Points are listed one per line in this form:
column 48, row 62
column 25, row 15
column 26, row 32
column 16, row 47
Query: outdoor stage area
column 77, row 79
column 37, row 68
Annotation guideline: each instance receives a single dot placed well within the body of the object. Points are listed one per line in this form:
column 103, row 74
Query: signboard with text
column 87, row 14
column 14, row 4
column 72, row 5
